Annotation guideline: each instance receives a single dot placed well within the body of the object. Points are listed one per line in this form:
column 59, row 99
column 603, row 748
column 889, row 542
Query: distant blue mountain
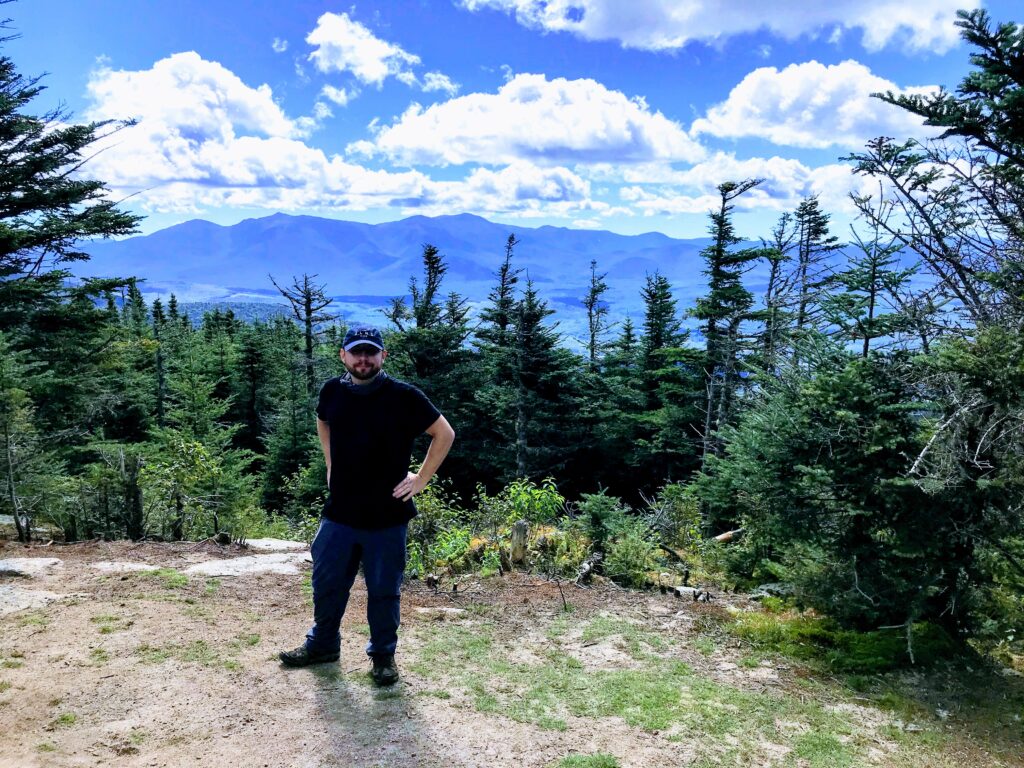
column 363, row 265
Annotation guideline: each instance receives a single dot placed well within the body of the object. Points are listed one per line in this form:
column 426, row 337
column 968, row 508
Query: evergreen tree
column 724, row 310
column 597, row 312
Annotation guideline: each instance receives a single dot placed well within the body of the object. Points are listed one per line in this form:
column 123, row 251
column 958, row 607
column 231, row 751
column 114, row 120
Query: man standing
column 367, row 423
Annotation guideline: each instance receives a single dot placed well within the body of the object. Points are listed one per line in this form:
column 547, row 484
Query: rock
column 14, row 598
column 123, row 567
column 287, row 563
column 28, row 567
column 775, row 589
column 275, row 545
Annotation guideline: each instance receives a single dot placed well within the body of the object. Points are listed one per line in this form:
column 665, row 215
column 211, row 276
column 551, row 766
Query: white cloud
column 279, row 45
column 920, row 25
column 786, row 183
column 536, row 119
column 344, row 45
column 205, row 139
column 339, row 96
column 200, row 98
column 436, row 81
column 811, row 105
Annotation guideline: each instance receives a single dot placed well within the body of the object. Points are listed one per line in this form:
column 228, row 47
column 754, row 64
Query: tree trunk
column 520, row 532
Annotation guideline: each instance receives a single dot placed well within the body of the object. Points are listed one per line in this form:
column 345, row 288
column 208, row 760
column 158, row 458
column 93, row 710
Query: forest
column 854, row 434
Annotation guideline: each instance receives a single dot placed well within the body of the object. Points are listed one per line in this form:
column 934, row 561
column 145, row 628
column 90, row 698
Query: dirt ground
column 135, row 668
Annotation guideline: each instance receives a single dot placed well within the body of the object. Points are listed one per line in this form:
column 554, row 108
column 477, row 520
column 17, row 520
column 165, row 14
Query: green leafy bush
column 631, row 553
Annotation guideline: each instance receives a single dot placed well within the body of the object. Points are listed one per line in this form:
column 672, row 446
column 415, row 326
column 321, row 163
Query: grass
column 818, row 641
column 198, row 652
column 4, row 686
column 109, row 623
column 46, row 747
column 599, row 760
column 33, row 619
column 99, row 656
column 470, row 665
column 169, row 577
column 635, row 638
column 662, row 695
column 66, row 720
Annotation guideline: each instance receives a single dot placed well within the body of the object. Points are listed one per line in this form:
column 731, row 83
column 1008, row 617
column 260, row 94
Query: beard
column 363, row 370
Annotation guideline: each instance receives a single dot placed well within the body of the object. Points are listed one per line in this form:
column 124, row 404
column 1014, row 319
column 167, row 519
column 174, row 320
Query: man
column 367, row 423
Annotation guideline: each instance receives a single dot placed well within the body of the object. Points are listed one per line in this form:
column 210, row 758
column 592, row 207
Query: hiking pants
column 337, row 553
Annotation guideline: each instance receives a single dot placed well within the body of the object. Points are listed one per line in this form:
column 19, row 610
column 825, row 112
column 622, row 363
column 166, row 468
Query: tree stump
column 520, row 531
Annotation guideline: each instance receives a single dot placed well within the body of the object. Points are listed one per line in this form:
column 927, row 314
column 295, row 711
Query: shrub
column 631, row 553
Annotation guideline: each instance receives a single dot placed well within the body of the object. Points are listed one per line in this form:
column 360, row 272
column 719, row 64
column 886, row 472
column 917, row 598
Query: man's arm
column 441, row 438
column 323, row 431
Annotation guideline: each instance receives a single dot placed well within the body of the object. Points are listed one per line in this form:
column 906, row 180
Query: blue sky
column 581, row 113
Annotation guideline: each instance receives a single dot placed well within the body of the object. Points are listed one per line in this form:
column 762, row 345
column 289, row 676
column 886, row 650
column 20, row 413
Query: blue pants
column 337, row 552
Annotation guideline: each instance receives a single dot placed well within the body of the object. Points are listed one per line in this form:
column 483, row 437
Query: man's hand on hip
column 409, row 487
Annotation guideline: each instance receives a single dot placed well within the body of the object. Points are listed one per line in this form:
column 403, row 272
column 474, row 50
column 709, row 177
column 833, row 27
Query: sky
column 622, row 115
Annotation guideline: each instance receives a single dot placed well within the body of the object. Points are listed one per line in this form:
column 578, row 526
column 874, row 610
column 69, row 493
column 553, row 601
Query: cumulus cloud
column 919, row 25
column 536, row 119
column 200, row 98
column 811, row 105
column 339, row 96
column 206, row 139
column 786, row 183
column 344, row 45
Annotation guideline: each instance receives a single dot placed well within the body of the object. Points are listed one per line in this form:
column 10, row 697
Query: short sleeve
column 422, row 412
column 324, row 399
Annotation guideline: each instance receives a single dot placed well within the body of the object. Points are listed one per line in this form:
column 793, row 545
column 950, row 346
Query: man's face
column 363, row 361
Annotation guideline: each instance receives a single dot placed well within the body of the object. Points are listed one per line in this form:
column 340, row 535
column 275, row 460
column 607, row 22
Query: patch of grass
column 12, row 663
column 46, row 747
column 169, row 577
column 816, row 640
column 704, row 645
column 211, row 587
column 823, row 750
column 33, row 619
column 4, row 686
column 637, row 639
column 99, row 656
column 109, row 623
column 599, row 760
column 65, row 720
column 307, row 589
column 663, row 695
column 198, row 652
column 136, row 736
column 149, row 654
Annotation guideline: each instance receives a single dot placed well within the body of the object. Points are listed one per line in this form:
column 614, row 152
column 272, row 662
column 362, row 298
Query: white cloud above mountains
column 343, row 45
column 810, row 105
column 536, row 147
column 535, row 119
column 786, row 182
column 205, row 139
column 664, row 25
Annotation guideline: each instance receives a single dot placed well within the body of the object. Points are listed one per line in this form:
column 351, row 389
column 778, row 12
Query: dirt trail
column 138, row 667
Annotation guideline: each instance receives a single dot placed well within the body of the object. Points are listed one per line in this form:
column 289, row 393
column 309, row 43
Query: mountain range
column 364, row 265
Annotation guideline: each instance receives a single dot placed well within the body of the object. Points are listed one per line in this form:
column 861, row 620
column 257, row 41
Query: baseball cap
column 362, row 334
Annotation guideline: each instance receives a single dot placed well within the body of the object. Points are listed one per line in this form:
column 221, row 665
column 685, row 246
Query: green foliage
column 534, row 503
column 631, row 553
column 815, row 639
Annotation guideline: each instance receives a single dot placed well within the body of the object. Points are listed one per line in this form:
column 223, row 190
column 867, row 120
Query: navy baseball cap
column 362, row 334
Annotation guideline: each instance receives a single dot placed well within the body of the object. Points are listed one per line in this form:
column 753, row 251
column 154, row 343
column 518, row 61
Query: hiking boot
column 303, row 657
column 384, row 671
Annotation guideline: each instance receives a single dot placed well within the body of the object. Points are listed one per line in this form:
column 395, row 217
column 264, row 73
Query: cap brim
column 361, row 342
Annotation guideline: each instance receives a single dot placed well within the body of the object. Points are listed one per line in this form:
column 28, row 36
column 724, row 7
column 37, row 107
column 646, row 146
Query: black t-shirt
column 373, row 427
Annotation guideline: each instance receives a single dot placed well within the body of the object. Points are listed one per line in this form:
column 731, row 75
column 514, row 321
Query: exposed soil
column 131, row 667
